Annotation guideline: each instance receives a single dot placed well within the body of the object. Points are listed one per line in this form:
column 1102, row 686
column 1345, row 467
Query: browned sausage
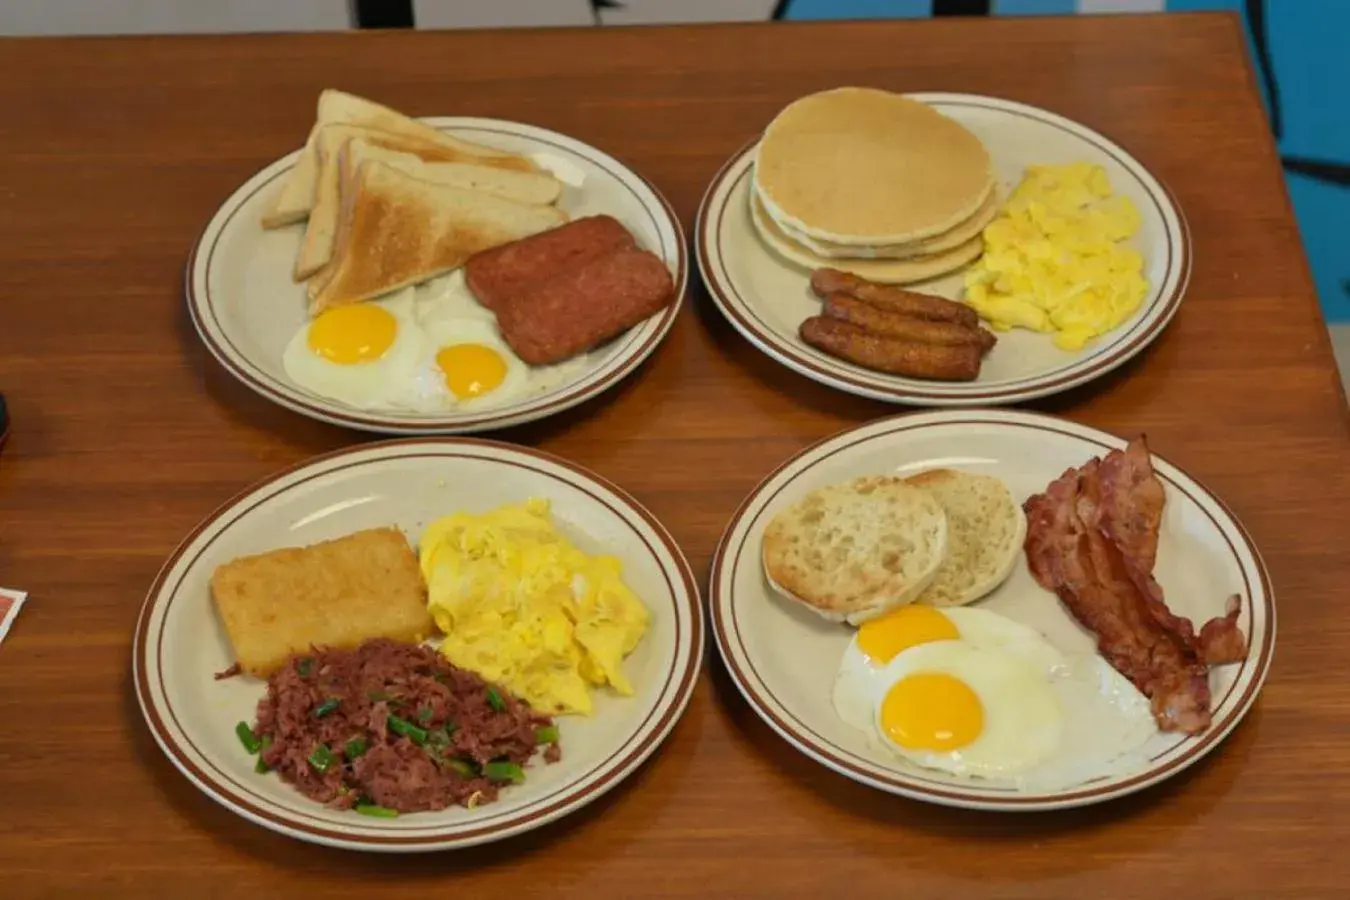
column 909, row 328
column 584, row 306
column 892, row 299
column 892, row 355
column 496, row 275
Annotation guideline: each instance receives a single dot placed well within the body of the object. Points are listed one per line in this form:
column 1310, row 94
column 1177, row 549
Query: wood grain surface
column 113, row 154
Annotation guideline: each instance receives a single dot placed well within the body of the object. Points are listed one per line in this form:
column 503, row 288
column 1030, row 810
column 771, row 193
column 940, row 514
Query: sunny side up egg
column 970, row 692
column 362, row 355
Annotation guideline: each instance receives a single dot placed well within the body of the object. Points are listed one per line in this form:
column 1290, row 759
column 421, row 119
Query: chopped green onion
column 321, row 758
column 354, row 748
column 377, row 696
column 248, row 738
column 424, row 715
column 261, row 767
column 407, row 729
column 546, row 735
column 504, row 771
column 304, row 666
column 495, row 700
column 463, row 767
column 326, row 707
column 380, row 812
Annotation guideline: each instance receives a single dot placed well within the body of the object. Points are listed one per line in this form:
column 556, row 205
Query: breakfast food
column 431, row 163
column 299, row 188
column 523, row 607
column 985, row 531
column 872, row 182
column 1055, row 260
column 972, row 693
column 1092, row 539
column 388, row 728
column 419, row 351
column 396, row 230
column 495, row 276
column 852, row 551
column 896, row 331
column 336, row 594
column 583, row 307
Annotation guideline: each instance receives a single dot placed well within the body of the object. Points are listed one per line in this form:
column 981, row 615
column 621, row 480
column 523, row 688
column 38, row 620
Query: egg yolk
column 353, row 334
column 880, row 639
column 471, row 370
column 931, row 711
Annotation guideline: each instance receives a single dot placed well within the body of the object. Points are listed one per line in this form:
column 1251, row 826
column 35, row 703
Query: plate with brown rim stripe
column 766, row 298
column 245, row 306
column 784, row 659
column 179, row 642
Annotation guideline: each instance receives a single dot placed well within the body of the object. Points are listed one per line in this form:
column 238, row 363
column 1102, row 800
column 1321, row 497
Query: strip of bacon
column 1092, row 539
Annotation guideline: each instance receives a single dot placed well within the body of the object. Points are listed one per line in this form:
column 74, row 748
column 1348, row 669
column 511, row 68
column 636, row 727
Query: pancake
column 938, row 243
column 881, row 271
column 864, row 167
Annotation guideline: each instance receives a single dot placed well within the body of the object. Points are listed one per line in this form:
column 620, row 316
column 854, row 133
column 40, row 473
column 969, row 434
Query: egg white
column 366, row 385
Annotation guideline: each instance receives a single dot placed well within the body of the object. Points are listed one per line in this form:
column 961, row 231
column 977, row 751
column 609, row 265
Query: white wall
column 509, row 13
column 31, row 17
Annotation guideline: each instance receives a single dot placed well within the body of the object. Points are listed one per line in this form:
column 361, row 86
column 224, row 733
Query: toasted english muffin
column 851, row 551
column 985, row 531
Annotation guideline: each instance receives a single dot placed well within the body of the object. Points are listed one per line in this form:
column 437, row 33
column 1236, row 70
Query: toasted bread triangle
column 395, row 230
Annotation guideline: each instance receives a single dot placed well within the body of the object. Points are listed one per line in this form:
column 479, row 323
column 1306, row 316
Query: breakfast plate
column 784, row 659
column 180, row 644
column 767, row 299
column 245, row 305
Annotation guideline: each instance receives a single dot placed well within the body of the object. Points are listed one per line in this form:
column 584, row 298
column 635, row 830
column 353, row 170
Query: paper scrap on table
column 10, row 604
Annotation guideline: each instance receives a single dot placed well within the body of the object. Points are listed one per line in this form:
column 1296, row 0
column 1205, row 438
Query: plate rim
column 913, row 392
column 197, row 297
column 684, row 670
column 719, row 601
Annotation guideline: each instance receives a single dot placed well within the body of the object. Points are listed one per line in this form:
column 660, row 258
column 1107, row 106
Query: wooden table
column 113, row 153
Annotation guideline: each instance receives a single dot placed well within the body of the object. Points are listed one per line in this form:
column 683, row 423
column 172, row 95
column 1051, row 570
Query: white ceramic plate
column 245, row 306
column 766, row 299
column 179, row 642
column 783, row 658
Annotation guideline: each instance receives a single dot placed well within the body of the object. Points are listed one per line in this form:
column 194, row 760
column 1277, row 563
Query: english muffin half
column 985, row 531
column 853, row 550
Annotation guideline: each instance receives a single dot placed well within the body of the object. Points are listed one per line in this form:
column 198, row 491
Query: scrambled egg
column 1053, row 261
column 522, row 607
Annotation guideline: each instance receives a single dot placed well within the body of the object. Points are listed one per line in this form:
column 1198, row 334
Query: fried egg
column 466, row 363
column 1055, row 260
column 363, row 354
column 973, row 693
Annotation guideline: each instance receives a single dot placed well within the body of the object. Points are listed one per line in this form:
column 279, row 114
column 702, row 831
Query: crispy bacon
column 1092, row 539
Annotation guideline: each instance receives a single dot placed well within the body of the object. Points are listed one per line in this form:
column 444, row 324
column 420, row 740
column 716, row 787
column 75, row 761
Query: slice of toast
column 851, row 551
column 430, row 162
column 296, row 196
column 337, row 593
column 395, row 230
column 985, row 528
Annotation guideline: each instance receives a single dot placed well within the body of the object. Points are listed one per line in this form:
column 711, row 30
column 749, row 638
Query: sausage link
column 892, row 299
column 892, row 355
column 909, row 328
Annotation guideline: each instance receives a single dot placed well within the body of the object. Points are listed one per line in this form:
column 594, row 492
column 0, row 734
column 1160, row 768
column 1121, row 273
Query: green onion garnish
column 495, row 700
column 463, row 767
column 424, row 715
column 326, row 707
column 248, row 738
column 407, row 729
column 354, row 748
column 304, row 666
column 321, row 758
column 504, row 771
column 546, row 735
column 261, row 767
column 380, row 812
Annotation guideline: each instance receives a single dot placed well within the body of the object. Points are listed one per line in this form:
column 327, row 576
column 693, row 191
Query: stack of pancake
column 873, row 183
